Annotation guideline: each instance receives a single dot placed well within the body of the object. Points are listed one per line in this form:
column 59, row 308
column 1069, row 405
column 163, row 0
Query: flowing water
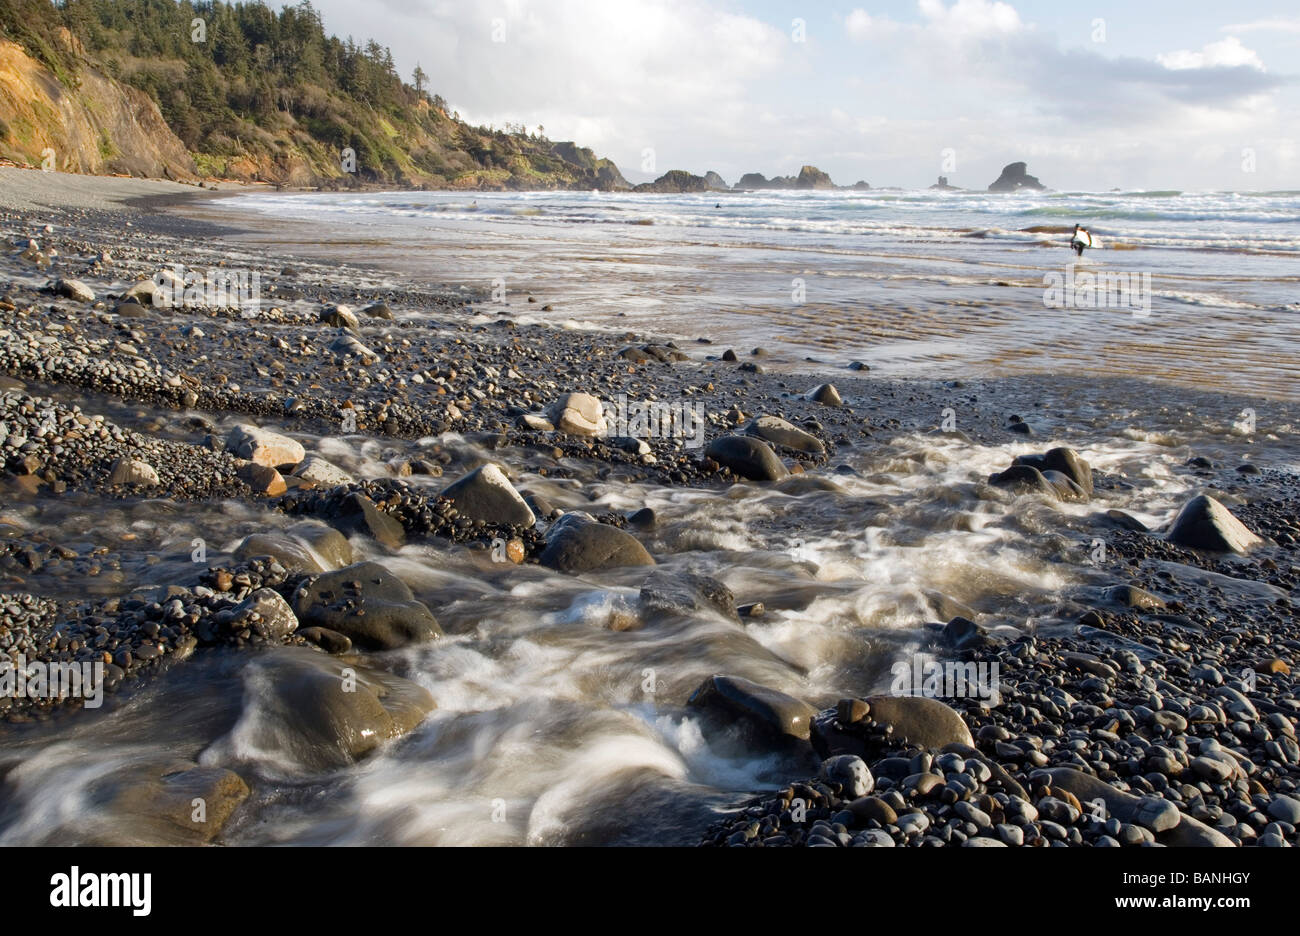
column 556, row 721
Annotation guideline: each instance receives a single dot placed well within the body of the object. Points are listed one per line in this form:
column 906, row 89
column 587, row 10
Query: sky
column 1092, row 94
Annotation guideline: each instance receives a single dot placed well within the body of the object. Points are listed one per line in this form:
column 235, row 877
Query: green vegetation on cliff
column 259, row 94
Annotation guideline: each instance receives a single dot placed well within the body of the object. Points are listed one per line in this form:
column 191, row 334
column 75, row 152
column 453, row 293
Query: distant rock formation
column 674, row 182
column 809, row 177
column 1014, row 178
column 943, row 186
column 715, row 182
column 860, row 186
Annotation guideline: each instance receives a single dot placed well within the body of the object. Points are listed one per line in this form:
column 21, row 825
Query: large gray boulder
column 763, row 713
column 1065, row 460
column 687, row 594
column 367, row 604
column 324, row 713
column 578, row 543
column 747, row 457
column 777, row 431
column 486, row 494
column 1204, row 523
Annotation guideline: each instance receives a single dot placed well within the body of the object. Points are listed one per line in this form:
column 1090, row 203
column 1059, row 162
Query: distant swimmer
column 718, row 205
column 1081, row 240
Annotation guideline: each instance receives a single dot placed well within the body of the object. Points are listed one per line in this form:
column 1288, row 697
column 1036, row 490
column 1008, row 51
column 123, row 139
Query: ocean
column 1198, row 289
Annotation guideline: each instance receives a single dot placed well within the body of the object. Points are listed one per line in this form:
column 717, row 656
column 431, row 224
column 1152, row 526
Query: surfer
column 1081, row 239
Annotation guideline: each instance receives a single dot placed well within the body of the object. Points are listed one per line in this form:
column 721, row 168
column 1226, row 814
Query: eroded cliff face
column 90, row 123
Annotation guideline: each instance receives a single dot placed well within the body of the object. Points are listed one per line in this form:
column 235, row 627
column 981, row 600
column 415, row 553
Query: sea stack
column 1014, row 178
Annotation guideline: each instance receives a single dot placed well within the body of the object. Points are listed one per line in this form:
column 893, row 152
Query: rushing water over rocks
column 556, row 637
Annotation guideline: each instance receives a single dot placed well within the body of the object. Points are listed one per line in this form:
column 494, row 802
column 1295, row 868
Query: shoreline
column 363, row 466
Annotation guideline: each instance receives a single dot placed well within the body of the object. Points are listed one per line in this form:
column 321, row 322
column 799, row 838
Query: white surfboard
column 1088, row 240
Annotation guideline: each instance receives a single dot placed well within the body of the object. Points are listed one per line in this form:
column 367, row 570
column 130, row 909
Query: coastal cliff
column 243, row 93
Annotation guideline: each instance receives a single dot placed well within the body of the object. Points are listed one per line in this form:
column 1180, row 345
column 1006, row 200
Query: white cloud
column 1226, row 53
column 1269, row 25
column 862, row 26
column 963, row 21
column 971, row 19
column 707, row 85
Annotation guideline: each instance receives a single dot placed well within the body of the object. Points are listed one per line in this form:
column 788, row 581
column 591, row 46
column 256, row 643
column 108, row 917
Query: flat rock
column 74, row 289
column 264, row 447
column 321, row 472
column 133, row 471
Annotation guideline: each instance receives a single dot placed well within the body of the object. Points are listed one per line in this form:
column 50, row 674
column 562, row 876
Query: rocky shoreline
column 1167, row 696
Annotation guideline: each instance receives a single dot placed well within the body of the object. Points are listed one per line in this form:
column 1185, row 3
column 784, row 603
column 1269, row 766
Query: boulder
column 1204, row 523
column 156, row 801
column 688, row 594
column 1025, row 479
column 305, row 547
column 75, row 290
column 1014, row 178
column 322, row 713
column 748, row 457
column 264, row 613
column 271, row 449
column 358, row 514
column 856, row 726
column 1065, row 460
column 851, row 773
column 133, row 471
column 146, row 292
column 340, row 316
column 263, row 480
column 925, row 722
column 777, row 431
column 322, row 473
column 331, row 546
column 578, row 414
column 486, row 494
column 760, row 712
column 1130, row 596
column 347, row 347
column 367, row 604
column 578, row 543
column 825, row 394
column 1065, row 489
column 1151, row 812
